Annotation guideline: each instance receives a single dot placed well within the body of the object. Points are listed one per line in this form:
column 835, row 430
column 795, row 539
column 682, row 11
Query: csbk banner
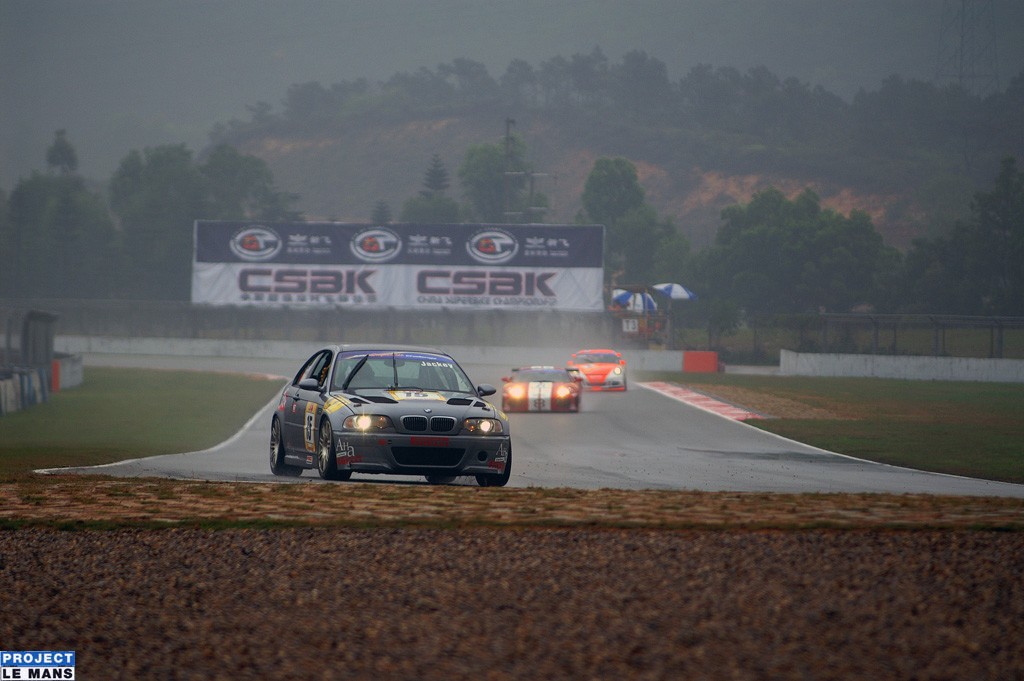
column 405, row 266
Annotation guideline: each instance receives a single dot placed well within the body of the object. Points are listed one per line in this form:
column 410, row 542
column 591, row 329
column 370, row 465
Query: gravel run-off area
column 695, row 586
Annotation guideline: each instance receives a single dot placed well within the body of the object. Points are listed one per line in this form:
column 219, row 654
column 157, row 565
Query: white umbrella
column 675, row 291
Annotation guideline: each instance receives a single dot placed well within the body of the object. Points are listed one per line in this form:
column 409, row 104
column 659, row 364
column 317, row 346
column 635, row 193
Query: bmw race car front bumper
column 608, row 384
column 403, row 454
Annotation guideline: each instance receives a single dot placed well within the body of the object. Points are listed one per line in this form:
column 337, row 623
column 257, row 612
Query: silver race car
column 389, row 409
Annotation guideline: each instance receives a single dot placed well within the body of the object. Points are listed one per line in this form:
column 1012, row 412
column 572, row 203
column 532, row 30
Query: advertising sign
column 403, row 266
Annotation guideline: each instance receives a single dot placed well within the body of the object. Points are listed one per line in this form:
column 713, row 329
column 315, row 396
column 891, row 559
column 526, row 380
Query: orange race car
column 601, row 369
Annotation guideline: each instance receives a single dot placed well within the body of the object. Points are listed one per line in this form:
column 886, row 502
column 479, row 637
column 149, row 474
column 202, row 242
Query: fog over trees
column 954, row 155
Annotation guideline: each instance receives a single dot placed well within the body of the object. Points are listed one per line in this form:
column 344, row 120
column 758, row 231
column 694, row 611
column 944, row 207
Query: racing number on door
column 309, row 427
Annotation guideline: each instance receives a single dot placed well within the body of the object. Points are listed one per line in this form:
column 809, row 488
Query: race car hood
column 455, row 404
column 600, row 370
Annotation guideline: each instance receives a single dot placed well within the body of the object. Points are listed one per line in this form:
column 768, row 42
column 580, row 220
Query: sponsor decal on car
column 415, row 395
column 309, row 426
column 334, row 404
column 500, row 459
column 539, row 395
column 346, row 454
column 428, row 441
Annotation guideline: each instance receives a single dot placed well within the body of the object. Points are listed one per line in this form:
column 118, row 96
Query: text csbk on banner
column 406, row 266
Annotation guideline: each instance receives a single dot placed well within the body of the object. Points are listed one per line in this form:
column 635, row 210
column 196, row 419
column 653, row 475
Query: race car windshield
column 542, row 376
column 597, row 359
column 400, row 371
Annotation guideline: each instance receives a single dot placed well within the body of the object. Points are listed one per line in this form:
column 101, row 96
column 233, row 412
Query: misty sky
column 126, row 74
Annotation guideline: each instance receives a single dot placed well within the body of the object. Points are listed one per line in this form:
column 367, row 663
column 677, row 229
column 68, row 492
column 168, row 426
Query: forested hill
column 909, row 154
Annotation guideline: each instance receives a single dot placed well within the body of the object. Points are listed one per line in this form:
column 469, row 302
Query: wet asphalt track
column 634, row 440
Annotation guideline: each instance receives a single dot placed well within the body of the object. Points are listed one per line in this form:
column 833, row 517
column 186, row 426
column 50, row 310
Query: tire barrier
column 21, row 388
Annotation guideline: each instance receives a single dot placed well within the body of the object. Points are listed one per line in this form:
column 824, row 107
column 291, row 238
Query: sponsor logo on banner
column 377, row 244
column 480, row 282
column 414, row 266
column 255, row 243
column 492, row 246
column 305, row 280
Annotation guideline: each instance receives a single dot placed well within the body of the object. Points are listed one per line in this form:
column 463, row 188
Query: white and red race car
column 541, row 388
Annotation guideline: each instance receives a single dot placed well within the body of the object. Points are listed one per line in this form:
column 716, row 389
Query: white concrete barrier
column 903, row 367
column 640, row 360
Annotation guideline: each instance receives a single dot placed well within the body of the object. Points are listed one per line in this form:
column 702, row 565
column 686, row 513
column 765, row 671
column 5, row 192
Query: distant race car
column 601, row 369
column 541, row 388
column 389, row 409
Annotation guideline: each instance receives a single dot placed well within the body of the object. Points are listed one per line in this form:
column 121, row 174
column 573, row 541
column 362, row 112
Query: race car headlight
column 617, row 371
column 482, row 426
column 564, row 391
column 368, row 422
column 516, row 391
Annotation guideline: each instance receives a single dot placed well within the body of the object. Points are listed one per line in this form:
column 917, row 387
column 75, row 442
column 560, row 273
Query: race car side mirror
column 309, row 384
column 484, row 389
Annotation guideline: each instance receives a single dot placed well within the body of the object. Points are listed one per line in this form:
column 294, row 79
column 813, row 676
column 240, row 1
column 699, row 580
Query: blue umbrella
column 675, row 291
column 637, row 302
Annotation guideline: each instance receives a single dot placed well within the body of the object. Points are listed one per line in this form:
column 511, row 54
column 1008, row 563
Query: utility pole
column 509, row 122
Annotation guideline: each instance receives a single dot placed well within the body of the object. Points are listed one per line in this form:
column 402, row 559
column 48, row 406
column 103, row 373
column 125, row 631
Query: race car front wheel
column 326, row 457
column 499, row 480
column 277, row 464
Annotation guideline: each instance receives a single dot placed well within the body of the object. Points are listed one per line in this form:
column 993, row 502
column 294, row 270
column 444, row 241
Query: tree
column 471, row 78
column 241, row 187
column 435, row 180
column 430, row 209
column 641, row 84
column 61, row 155
column 157, row 195
column 611, row 190
column 493, row 178
column 777, row 256
column 59, row 240
column 555, row 80
column 979, row 267
column 381, row 213
column 519, row 82
column 998, row 231
column 432, row 206
column 635, row 240
column 589, row 77
column 639, row 248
